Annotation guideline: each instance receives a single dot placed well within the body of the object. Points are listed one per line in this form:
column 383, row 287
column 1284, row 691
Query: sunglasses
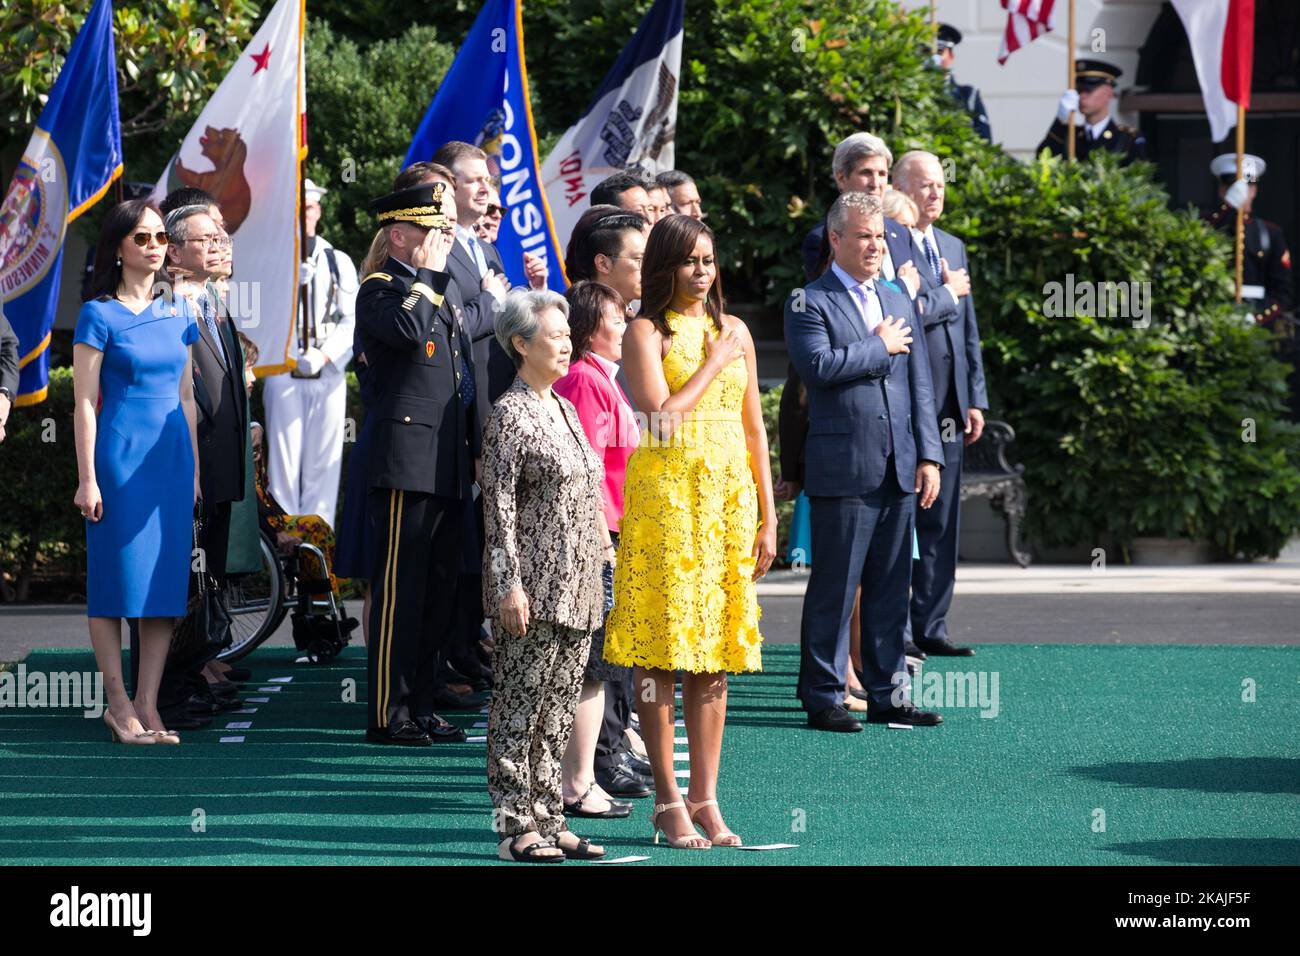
column 141, row 239
column 495, row 210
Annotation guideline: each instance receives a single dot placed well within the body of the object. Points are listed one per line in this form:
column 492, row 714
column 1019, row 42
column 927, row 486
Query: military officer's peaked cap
column 949, row 36
column 421, row 205
column 1092, row 73
column 1225, row 167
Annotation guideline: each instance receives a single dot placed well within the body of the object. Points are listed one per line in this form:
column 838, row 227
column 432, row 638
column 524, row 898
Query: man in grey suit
column 873, row 446
column 947, row 314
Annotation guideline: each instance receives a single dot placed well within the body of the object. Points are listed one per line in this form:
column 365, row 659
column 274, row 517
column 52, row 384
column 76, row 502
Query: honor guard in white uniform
column 305, row 407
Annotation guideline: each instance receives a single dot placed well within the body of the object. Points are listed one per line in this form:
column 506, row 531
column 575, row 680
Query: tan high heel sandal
column 681, row 843
column 723, row 837
column 121, row 736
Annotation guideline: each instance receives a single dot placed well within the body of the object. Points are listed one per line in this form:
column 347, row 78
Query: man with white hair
column 947, row 314
column 306, row 406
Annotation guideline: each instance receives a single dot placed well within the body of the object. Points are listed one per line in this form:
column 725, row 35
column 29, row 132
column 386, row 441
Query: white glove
column 1237, row 194
column 1069, row 104
column 311, row 361
column 306, row 272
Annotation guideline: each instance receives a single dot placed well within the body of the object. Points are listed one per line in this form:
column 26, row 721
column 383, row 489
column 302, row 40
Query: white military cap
column 1252, row 167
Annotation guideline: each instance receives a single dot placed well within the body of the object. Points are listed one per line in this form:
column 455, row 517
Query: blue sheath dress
column 138, row 553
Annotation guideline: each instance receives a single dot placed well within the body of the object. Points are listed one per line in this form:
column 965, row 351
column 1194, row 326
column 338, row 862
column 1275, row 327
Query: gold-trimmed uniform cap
column 421, row 205
column 948, row 36
column 1092, row 73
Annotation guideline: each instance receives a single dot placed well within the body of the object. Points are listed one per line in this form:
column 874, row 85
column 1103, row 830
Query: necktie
column 480, row 262
column 932, row 257
column 870, row 307
column 210, row 320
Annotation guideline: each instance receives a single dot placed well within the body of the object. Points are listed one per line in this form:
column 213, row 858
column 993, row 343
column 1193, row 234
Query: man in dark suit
column 193, row 256
column 421, row 461
column 872, row 445
column 8, row 370
column 947, row 313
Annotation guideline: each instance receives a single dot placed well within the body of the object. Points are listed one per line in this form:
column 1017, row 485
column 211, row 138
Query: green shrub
column 1126, row 430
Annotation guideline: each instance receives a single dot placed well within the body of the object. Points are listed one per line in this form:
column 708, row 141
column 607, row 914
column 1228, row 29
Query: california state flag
column 246, row 150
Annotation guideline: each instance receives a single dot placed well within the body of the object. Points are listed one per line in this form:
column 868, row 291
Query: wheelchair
column 258, row 602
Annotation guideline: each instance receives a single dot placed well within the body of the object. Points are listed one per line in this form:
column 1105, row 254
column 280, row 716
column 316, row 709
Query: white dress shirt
column 865, row 297
column 921, row 237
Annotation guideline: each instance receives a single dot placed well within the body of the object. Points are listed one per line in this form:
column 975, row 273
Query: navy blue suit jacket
column 951, row 336
column 857, row 392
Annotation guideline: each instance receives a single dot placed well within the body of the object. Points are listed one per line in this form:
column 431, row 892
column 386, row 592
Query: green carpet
column 1156, row 738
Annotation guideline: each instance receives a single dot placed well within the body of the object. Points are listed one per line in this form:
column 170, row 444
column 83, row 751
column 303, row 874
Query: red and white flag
column 1027, row 20
column 1221, row 34
column 245, row 150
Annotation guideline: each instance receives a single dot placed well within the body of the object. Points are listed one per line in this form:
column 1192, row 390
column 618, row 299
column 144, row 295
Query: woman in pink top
column 597, row 318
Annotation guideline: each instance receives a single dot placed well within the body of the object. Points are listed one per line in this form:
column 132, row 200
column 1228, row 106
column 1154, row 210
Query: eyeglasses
column 495, row 210
column 212, row 242
column 141, row 239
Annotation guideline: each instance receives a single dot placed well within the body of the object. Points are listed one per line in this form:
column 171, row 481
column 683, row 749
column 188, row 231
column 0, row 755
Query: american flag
column 1026, row 21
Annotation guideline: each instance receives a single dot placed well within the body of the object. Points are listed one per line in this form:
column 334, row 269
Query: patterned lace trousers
column 536, row 682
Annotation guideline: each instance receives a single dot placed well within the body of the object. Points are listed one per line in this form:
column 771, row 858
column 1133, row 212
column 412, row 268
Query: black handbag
column 204, row 631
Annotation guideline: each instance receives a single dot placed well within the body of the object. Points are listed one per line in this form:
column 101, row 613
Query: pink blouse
column 611, row 426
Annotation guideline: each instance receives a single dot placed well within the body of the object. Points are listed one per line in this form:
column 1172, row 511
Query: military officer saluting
column 1266, row 278
column 421, row 461
column 968, row 96
column 1094, row 89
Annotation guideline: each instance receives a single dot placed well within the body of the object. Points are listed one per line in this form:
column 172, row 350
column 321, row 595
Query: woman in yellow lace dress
column 691, row 544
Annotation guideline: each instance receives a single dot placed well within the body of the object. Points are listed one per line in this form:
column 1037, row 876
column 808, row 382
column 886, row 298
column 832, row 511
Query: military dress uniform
column 1125, row 141
column 419, row 476
column 1266, row 277
column 967, row 96
column 306, row 407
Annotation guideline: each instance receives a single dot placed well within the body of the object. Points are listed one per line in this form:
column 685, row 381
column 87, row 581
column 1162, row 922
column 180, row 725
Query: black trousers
column 412, row 609
column 610, row 745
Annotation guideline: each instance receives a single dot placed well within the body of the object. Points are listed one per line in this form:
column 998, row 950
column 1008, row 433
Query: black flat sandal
column 528, row 854
column 580, row 852
column 617, row 809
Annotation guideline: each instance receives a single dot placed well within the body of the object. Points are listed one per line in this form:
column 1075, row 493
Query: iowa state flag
column 246, row 149
column 484, row 100
column 631, row 120
column 74, row 155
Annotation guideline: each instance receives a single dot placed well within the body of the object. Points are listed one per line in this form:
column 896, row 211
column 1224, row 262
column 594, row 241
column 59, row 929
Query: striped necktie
column 932, row 257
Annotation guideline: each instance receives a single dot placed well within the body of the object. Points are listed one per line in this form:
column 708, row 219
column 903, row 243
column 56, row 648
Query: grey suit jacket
column 8, row 356
column 479, row 316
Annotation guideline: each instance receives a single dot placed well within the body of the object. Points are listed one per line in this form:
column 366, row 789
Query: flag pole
column 934, row 27
column 1071, row 78
column 1239, row 243
column 303, row 304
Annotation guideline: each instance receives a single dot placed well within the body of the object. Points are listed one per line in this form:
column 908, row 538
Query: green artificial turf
column 1157, row 738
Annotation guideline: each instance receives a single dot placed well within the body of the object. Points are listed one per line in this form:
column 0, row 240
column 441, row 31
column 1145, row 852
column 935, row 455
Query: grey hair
column 521, row 316
column 175, row 223
column 901, row 173
column 868, row 206
column 855, row 149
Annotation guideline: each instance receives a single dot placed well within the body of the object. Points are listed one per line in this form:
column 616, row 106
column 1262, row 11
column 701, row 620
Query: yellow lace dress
column 684, row 595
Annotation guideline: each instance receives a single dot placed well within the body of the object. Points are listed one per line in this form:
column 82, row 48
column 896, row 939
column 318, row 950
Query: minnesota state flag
column 72, row 158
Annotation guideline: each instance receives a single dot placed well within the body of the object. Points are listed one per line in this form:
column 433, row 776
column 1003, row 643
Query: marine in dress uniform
column 306, row 407
column 1267, row 280
column 1094, row 88
column 968, row 96
column 420, row 470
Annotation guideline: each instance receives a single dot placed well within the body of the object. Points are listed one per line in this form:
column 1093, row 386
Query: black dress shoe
column 634, row 763
column 444, row 698
column 911, row 650
column 405, row 734
column 239, row 674
column 620, row 780
column 942, row 647
column 441, row 731
column 907, row 714
column 835, row 718
column 184, row 722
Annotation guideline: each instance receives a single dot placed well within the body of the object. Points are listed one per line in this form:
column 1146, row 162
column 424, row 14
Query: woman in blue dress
column 136, row 461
